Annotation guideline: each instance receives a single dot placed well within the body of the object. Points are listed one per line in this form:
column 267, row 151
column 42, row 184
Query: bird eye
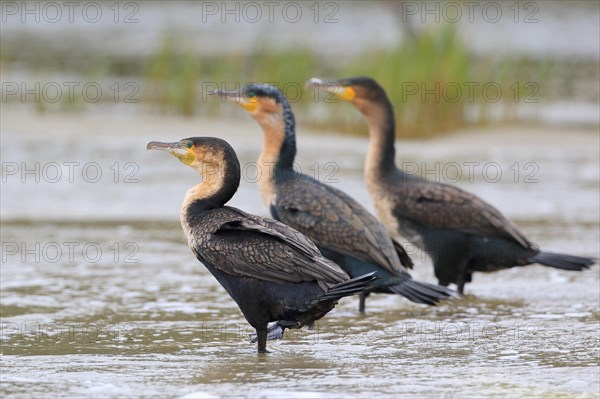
column 189, row 144
column 251, row 94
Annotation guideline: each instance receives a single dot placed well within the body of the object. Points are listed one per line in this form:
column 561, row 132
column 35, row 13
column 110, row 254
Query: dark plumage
column 273, row 272
column 460, row 232
column 344, row 231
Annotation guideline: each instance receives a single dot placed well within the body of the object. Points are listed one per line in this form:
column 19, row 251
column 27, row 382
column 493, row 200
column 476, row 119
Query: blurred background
column 446, row 65
column 100, row 296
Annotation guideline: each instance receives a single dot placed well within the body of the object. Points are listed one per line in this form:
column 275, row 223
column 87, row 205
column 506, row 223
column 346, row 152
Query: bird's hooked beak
column 235, row 96
column 345, row 93
column 184, row 154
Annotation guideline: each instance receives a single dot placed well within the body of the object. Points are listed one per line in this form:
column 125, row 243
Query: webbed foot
column 273, row 332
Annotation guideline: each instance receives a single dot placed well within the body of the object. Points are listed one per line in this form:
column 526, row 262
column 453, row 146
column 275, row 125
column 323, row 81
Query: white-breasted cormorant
column 460, row 232
column 344, row 231
column 273, row 272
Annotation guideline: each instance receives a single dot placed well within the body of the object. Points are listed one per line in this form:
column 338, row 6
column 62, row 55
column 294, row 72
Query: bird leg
column 361, row 302
column 465, row 277
column 261, row 339
column 460, row 284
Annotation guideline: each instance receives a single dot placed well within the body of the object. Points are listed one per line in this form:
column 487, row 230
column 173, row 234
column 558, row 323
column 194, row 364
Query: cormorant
column 460, row 232
column 273, row 272
column 344, row 231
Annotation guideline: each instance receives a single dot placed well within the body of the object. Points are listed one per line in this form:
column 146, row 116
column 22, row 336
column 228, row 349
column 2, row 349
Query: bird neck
column 382, row 134
column 276, row 160
column 219, row 184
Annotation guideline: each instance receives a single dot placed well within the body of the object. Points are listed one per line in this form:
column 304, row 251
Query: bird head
column 263, row 102
column 209, row 156
column 360, row 91
column 269, row 107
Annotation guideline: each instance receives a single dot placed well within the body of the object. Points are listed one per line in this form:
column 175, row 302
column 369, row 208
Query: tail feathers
column 425, row 293
column 404, row 258
column 353, row 286
column 562, row 261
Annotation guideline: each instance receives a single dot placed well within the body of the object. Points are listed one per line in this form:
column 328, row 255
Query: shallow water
column 116, row 305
